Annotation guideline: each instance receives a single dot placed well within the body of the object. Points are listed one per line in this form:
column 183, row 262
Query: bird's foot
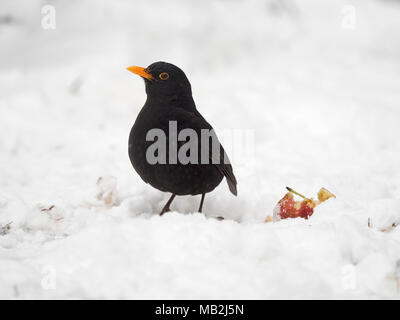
column 164, row 210
column 166, row 207
column 201, row 202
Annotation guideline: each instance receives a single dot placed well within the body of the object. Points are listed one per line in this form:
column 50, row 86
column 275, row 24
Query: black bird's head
column 164, row 80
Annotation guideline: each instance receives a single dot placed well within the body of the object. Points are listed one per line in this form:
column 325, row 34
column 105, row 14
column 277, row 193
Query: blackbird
column 169, row 101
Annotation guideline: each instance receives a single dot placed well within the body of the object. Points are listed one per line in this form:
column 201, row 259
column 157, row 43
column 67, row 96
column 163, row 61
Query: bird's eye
column 163, row 76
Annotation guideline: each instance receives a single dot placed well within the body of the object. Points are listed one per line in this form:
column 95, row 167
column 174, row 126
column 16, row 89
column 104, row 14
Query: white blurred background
column 316, row 82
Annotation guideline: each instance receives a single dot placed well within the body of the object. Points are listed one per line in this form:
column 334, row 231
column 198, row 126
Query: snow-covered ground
column 317, row 97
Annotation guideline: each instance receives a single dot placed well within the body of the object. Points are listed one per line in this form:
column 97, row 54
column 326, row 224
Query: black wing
column 186, row 119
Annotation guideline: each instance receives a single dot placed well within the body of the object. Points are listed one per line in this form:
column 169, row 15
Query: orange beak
column 140, row 72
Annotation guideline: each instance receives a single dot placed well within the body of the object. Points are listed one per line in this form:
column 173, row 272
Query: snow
column 316, row 103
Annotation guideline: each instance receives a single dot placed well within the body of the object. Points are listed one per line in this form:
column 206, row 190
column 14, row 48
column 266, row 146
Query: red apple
column 287, row 207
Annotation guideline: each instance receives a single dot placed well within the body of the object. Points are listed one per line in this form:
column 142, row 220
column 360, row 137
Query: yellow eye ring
column 163, row 76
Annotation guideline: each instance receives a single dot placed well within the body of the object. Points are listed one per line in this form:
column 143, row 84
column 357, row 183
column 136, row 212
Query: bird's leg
column 201, row 202
column 166, row 207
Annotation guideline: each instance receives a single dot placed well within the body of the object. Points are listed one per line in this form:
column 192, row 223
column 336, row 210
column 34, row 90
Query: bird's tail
column 231, row 179
column 226, row 169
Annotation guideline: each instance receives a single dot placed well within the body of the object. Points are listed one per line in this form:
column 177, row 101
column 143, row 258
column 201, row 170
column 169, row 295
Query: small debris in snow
column 5, row 229
column 16, row 290
column 390, row 228
column 55, row 213
column 386, row 228
column 107, row 191
column 46, row 209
